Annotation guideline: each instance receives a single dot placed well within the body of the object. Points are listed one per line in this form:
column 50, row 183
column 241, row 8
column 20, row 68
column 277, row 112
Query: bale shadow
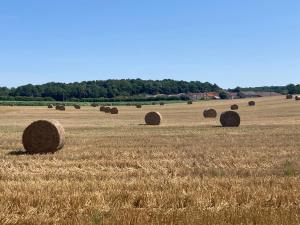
column 17, row 152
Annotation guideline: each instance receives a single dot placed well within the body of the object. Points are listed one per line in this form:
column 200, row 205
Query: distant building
column 205, row 95
column 233, row 95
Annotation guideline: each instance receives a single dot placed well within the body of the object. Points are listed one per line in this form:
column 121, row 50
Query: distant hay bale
column 107, row 109
column 210, row 113
column 230, row 119
column 297, row 98
column 153, row 103
column 289, row 96
column 138, row 106
column 189, row 102
column 76, row 106
column 234, row 107
column 94, row 104
column 161, row 103
column 60, row 107
column 251, row 103
column 102, row 108
column 43, row 136
column 50, row 106
column 114, row 110
column 153, row 118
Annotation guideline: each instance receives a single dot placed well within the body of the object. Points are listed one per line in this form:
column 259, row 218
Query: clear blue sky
column 228, row 42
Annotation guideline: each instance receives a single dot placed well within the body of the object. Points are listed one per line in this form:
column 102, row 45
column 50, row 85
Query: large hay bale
column 297, row 98
column 102, row 108
column 114, row 110
column 50, row 106
column 189, row 102
column 234, row 107
column 60, row 107
column 76, row 106
column 153, row 118
column 289, row 96
column 161, row 103
column 138, row 106
column 43, row 136
column 230, row 119
column 107, row 109
column 94, row 104
column 210, row 113
column 251, row 103
column 153, row 103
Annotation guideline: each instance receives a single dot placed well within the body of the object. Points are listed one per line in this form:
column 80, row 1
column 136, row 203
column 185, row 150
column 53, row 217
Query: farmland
column 189, row 170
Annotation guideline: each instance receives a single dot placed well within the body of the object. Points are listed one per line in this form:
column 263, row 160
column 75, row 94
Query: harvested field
column 188, row 170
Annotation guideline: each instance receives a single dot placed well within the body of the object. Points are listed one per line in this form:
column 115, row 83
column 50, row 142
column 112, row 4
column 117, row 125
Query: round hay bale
column 43, row 136
column 251, row 103
column 297, row 98
column 138, row 106
column 210, row 113
column 50, row 106
column 94, row 105
column 189, row 102
column 153, row 103
column 60, row 107
column 114, row 110
column 56, row 104
column 107, row 109
column 77, row 106
column 289, row 96
column 234, row 107
column 161, row 103
column 230, row 119
column 153, row 118
column 102, row 108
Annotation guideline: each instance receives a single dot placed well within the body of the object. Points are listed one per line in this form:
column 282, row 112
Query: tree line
column 288, row 89
column 104, row 90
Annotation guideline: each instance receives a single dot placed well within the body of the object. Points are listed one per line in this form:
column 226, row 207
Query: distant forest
column 288, row 89
column 122, row 90
column 125, row 89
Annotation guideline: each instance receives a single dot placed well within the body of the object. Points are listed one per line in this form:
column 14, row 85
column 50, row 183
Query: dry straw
column 153, row 118
column 234, row 107
column 230, row 119
column 251, row 103
column 50, row 106
column 60, row 107
column 43, row 136
column 289, row 96
column 138, row 106
column 114, row 110
column 210, row 113
column 297, row 98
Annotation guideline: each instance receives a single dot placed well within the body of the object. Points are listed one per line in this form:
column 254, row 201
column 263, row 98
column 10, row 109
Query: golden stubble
column 189, row 170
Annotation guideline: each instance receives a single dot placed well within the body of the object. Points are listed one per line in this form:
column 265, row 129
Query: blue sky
column 228, row 42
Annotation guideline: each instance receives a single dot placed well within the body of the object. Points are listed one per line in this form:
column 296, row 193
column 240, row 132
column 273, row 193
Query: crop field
column 189, row 170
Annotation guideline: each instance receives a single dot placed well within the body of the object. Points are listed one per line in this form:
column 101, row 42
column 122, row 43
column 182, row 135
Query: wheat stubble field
column 115, row 170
